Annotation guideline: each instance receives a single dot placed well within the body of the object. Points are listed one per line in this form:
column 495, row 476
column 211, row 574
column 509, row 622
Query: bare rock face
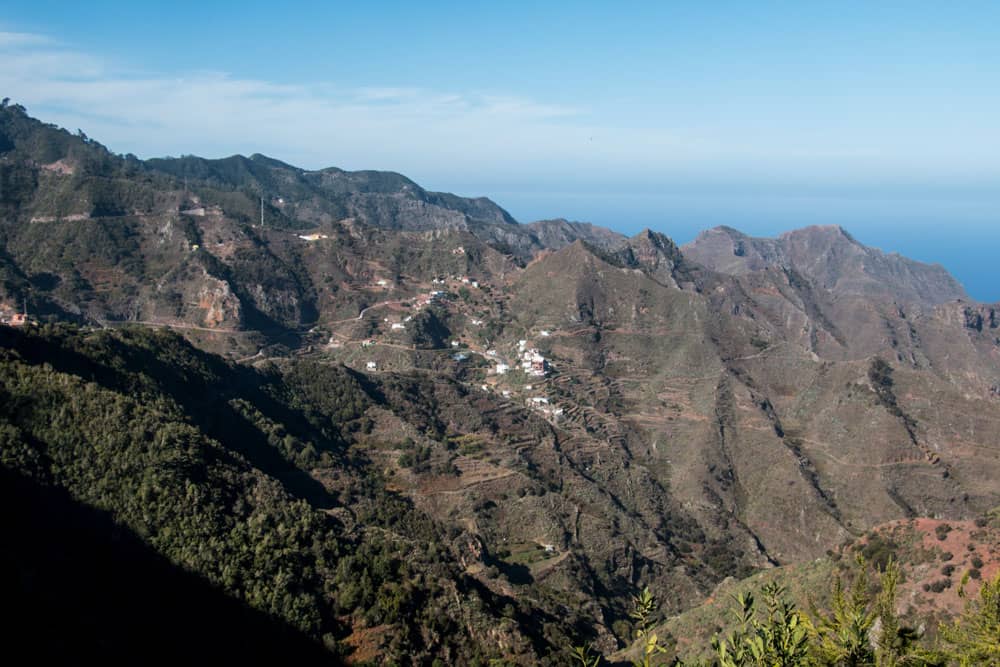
column 221, row 307
column 655, row 254
column 832, row 259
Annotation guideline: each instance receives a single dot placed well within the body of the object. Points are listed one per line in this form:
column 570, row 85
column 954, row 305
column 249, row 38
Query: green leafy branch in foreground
column 781, row 638
column 643, row 609
column 860, row 629
column 585, row 656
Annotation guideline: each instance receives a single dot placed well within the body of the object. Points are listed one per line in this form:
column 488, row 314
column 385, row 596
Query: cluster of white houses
column 531, row 360
column 541, row 404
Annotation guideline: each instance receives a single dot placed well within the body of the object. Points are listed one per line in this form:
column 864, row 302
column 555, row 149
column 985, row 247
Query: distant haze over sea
column 960, row 231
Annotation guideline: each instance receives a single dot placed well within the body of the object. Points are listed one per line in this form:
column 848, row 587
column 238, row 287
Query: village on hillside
column 381, row 338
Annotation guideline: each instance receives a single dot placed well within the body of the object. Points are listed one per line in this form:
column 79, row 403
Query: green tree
column 974, row 638
column 841, row 636
column 780, row 639
column 584, row 656
column 862, row 628
column 643, row 612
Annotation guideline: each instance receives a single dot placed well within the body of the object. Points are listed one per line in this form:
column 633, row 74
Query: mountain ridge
column 833, row 258
column 324, row 196
column 568, row 414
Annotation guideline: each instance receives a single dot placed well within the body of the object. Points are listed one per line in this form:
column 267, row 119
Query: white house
column 371, row 365
column 533, row 363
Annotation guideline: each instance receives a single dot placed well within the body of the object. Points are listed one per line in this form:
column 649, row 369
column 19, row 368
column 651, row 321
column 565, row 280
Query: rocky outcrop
column 832, row 259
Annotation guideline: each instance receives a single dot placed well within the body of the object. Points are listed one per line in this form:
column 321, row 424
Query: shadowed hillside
column 88, row 591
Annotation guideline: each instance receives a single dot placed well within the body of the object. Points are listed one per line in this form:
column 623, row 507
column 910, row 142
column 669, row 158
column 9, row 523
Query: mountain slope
column 937, row 560
column 750, row 417
column 831, row 258
column 461, row 436
column 246, row 480
column 559, row 233
column 99, row 237
column 382, row 199
column 112, row 597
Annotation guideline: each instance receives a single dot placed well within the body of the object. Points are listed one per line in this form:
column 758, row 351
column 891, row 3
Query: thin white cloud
column 439, row 135
column 22, row 39
column 428, row 131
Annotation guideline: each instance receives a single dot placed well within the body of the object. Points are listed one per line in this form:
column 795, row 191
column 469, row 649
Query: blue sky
column 883, row 117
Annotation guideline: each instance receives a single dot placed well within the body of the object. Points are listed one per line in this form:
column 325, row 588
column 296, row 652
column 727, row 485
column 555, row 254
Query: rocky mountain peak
column 655, row 253
column 830, row 257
